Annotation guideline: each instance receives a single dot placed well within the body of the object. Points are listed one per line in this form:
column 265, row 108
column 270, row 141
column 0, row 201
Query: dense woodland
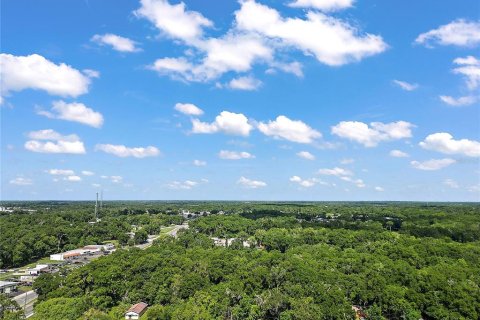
column 307, row 260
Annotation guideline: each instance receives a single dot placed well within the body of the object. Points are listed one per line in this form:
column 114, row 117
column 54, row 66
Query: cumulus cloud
column 88, row 173
column 432, row 164
column 379, row 189
column 460, row 33
column 74, row 111
column 306, row 183
column 323, row 5
column 451, row 183
column 332, row 41
column 251, row 184
column 18, row 73
column 20, row 181
column 123, row 151
column 118, row 43
column 338, row 172
column 398, row 154
column 371, row 135
column 291, row 130
column 306, row 155
column 188, row 109
column 469, row 68
column 199, row 163
column 73, row 178
column 234, row 155
column 114, row 179
column 60, row 172
column 54, row 142
column 445, row 143
column 245, row 83
column 182, row 185
column 226, row 122
column 405, row 85
column 460, row 101
column 347, row 161
column 175, row 20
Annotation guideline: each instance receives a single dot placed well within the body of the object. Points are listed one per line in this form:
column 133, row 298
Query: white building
column 8, row 287
column 136, row 311
column 90, row 249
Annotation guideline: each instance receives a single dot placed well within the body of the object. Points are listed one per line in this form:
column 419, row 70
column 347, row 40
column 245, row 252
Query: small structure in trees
column 136, row 311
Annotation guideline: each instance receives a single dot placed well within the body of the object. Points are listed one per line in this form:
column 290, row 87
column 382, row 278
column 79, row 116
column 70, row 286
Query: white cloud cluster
column 371, row 135
column 445, row 143
column 451, row 183
column 323, row 5
column 18, row 73
column 251, row 184
column 258, row 32
column 306, row 155
column 73, row 178
column 88, row 173
column 234, row 155
column 291, row 130
column 337, row 172
column 398, row 154
column 114, row 179
column 379, row 189
column 123, row 151
column 432, row 164
column 118, row 43
column 226, row 122
column 188, row 109
column 50, row 141
column 77, row 112
column 406, row 85
column 460, row 33
column 61, row 172
column 20, row 181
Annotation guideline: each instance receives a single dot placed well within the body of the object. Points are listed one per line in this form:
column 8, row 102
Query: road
column 25, row 301
column 177, row 228
column 172, row 233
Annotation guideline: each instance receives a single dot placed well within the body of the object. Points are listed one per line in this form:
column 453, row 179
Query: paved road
column 177, row 228
column 26, row 300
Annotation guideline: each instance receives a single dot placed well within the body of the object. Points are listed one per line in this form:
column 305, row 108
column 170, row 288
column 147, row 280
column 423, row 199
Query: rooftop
column 138, row 308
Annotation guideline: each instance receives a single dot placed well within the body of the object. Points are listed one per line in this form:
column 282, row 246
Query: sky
column 328, row 100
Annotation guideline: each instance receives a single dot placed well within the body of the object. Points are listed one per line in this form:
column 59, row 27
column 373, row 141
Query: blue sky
column 248, row 100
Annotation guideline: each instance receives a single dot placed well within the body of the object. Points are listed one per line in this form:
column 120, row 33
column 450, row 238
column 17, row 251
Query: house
column 8, row 287
column 136, row 311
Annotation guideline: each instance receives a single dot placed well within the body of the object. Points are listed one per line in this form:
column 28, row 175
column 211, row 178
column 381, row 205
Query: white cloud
column 460, row 101
column 56, row 143
column 398, row 154
column 118, row 43
column 88, row 173
column 432, row 164
column 60, row 172
column 123, row 151
column 234, row 155
column 307, row 183
column 332, row 41
column 251, row 184
column 306, row 155
column 226, row 122
column 460, row 33
column 370, row 136
column 19, row 181
column 96, row 185
column 358, row 182
column 451, row 183
column 405, row 85
column 182, row 185
column 443, row 142
column 291, row 130
column 469, row 68
column 245, row 83
column 174, row 20
column 323, row 5
column 18, row 73
column 73, row 178
column 91, row 73
column 74, row 111
column 114, row 179
column 294, row 68
column 338, row 172
column 347, row 161
column 199, row 163
column 379, row 189
column 189, row 109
